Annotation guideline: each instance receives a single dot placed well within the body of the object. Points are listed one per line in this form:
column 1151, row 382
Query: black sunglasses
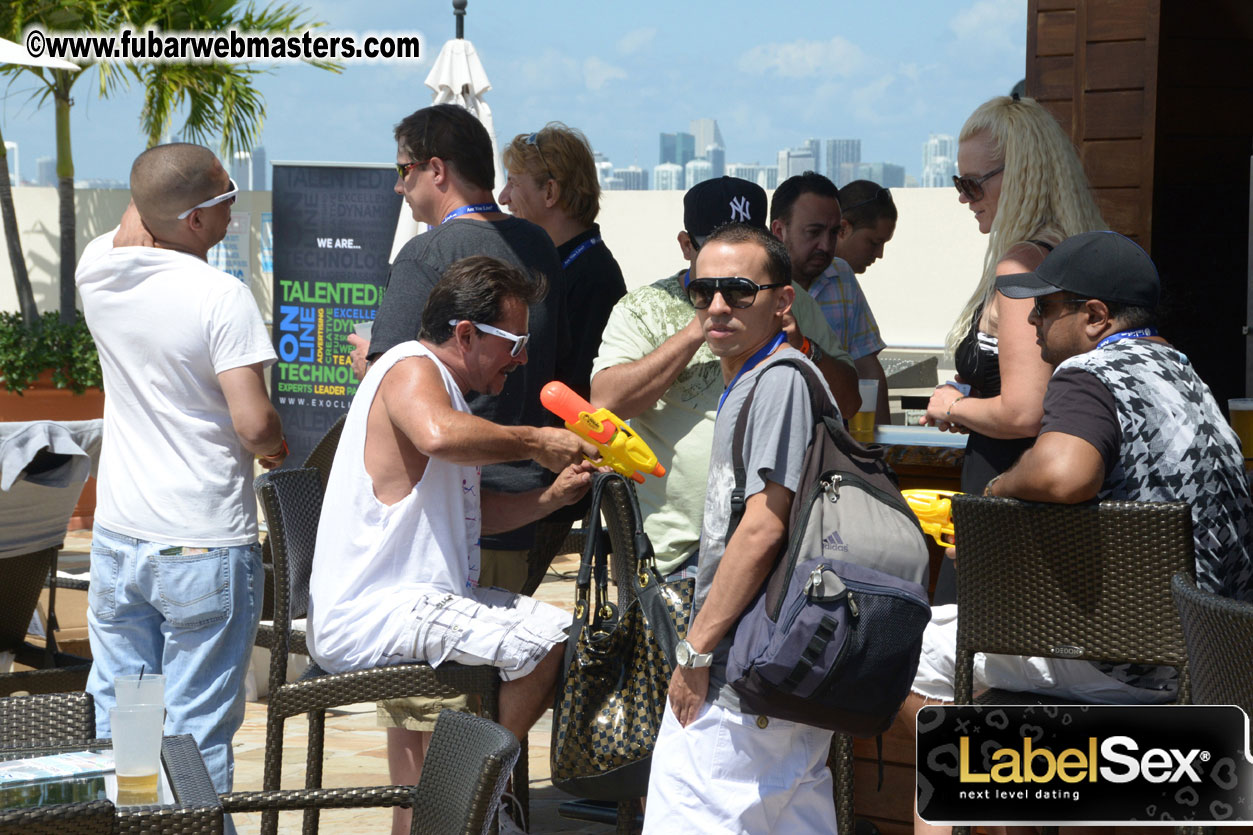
column 533, row 139
column 972, row 187
column 1042, row 304
column 737, row 292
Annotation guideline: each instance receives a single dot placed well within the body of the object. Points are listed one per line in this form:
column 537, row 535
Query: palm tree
column 220, row 98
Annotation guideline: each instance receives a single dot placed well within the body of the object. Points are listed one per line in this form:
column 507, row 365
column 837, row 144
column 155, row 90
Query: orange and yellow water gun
column 620, row 448
column 934, row 510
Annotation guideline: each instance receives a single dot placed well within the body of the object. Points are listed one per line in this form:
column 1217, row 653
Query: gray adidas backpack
column 834, row 636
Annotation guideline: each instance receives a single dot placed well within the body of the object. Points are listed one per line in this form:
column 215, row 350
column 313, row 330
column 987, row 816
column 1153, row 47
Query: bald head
column 169, row 179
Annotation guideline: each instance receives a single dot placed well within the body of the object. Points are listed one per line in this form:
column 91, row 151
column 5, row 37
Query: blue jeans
column 193, row 618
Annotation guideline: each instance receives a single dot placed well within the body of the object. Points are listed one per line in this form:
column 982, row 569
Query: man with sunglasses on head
column 655, row 369
column 176, row 575
column 1125, row 417
column 397, row 571
column 552, row 182
column 715, row 768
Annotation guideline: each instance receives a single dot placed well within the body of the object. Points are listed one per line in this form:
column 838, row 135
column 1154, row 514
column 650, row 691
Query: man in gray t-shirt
column 715, row 769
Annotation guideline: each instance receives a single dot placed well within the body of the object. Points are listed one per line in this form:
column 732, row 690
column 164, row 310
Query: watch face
column 683, row 653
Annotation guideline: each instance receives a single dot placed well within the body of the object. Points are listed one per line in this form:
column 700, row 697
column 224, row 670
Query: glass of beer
column 861, row 427
column 1241, row 409
column 137, row 752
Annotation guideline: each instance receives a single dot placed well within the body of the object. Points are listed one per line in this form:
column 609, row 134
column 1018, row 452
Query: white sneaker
column 507, row 824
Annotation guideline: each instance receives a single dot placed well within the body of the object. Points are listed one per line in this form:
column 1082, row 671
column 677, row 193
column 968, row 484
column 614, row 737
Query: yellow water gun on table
column 620, row 448
column 934, row 510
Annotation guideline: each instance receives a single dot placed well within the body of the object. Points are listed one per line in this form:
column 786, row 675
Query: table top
column 196, row 808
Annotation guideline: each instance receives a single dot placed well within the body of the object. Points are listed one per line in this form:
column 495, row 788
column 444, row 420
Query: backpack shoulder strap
column 820, row 406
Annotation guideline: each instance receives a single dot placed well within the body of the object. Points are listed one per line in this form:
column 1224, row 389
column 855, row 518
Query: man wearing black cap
column 1125, row 417
column 655, row 370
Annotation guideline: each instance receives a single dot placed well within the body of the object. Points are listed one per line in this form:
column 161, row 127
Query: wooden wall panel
column 1055, row 78
column 1055, row 33
column 1118, row 20
column 1124, row 211
column 1115, row 115
column 1063, row 111
column 1114, row 65
column 1113, row 163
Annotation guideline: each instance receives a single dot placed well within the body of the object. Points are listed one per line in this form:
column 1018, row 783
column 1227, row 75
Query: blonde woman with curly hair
column 1021, row 177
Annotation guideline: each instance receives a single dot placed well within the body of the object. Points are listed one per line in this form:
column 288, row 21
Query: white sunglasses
column 213, row 201
column 519, row 342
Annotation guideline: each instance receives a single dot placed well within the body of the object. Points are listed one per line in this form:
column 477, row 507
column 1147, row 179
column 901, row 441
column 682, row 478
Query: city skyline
column 618, row 75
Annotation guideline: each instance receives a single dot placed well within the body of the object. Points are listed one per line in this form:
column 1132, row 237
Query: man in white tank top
column 395, row 573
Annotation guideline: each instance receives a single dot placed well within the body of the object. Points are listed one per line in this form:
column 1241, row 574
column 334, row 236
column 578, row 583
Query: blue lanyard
column 1121, row 335
column 579, row 250
column 474, row 209
column 762, row 352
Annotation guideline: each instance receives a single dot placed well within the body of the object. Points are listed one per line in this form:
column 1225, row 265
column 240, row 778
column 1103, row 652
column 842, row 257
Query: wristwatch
column 689, row 658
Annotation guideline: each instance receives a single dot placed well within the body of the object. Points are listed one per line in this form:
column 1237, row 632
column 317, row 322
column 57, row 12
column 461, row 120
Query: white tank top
column 374, row 560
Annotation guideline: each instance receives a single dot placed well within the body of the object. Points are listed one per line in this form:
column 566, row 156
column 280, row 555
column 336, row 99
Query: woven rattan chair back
column 292, row 501
column 1219, row 635
column 29, row 721
column 1069, row 581
column 95, row 817
column 463, row 776
column 323, row 453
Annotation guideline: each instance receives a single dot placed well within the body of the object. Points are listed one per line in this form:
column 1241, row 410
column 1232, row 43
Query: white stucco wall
column 928, row 270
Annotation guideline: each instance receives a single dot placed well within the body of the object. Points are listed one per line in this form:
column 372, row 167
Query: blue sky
column 772, row 74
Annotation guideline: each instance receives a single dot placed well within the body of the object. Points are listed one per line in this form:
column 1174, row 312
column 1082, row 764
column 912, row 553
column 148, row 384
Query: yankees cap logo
column 740, row 209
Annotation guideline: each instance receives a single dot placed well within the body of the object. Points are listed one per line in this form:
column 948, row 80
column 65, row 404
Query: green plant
column 67, row 349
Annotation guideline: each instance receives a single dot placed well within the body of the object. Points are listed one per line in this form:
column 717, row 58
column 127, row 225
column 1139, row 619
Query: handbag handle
column 595, row 563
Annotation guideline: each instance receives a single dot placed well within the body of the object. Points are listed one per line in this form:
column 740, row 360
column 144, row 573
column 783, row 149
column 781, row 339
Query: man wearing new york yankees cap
column 655, row 370
column 1125, row 417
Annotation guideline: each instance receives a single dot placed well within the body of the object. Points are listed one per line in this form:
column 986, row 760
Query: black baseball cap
column 1096, row 265
column 711, row 203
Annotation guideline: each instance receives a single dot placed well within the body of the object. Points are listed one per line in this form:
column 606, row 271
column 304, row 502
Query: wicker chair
column 463, row 776
column 95, row 817
column 1219, row 635
column 25, row 576
column 29, row 721
column 292, row 500
column 322, row 455
column 1068, row 581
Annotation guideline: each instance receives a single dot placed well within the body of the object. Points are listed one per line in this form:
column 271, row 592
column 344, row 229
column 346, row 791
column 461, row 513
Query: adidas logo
column 833, row 543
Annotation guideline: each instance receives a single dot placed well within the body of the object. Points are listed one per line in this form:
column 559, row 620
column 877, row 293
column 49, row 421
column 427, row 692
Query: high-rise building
column 939, row 160
column 633, row 178
column 677, row 148
column 884, row 173
column 705, row 133
column 814, row 146
column 260, row 173
column 717, row 156
column 842, row 152
column 612, row 184
column 15, row 170
column 45, row 171
column 766, row 176
column 241, row 170
column 668, row 176
column 793, row 161
column 697, row 171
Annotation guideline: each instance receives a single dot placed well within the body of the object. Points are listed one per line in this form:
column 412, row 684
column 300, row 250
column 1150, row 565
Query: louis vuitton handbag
column 618, row 662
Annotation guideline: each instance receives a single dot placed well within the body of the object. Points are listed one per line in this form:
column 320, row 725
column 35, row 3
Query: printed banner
column 333, row 228
column 1092, row 764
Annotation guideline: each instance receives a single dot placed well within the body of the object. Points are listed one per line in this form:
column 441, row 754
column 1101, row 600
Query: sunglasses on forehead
column 533, row 140
column 737, row 291
column 972, row 187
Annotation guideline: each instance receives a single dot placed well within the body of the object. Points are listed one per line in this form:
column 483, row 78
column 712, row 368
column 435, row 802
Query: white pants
column 1063, row 678
column 725, row 773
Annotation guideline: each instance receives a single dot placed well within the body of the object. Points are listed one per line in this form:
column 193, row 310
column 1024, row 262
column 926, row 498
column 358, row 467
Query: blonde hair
column 1044, row 192
column 564, row 154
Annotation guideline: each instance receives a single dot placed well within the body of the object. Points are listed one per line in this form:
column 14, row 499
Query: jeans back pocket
column 194, row 588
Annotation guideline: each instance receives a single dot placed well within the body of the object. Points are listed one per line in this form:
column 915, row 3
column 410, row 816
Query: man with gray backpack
column 740, row 748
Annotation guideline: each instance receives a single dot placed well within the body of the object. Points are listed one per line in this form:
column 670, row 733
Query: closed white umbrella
column 457, row 77
column 15, row 53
